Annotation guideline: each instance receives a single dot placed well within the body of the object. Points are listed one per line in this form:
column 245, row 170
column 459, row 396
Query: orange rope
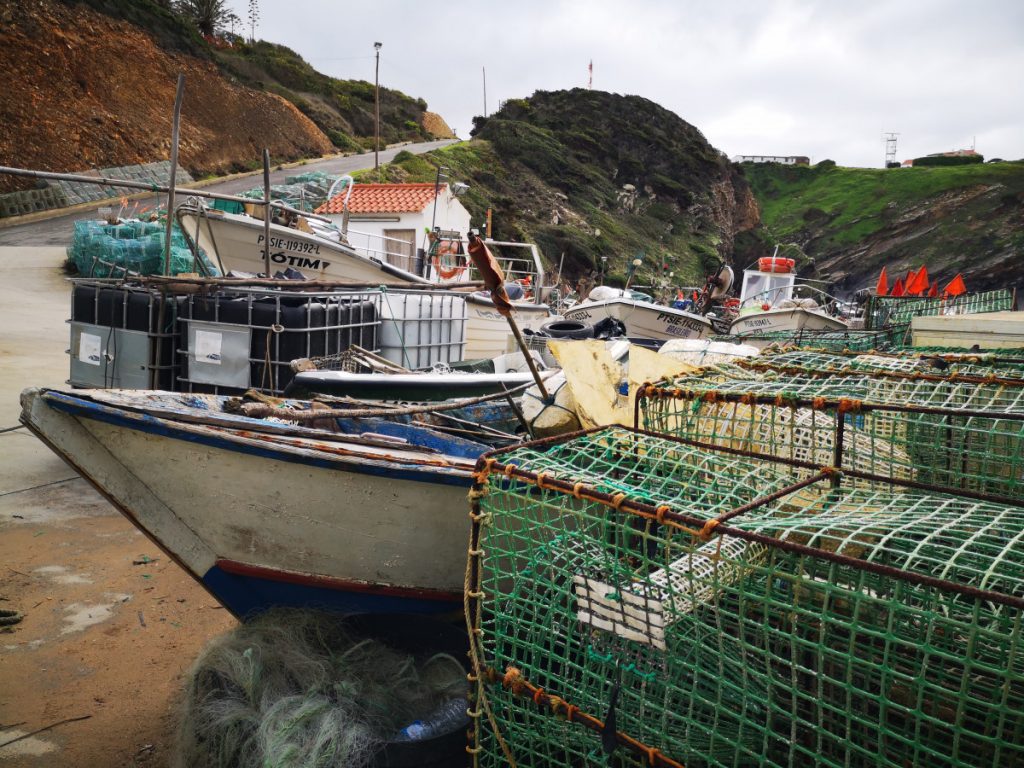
column 847, row 405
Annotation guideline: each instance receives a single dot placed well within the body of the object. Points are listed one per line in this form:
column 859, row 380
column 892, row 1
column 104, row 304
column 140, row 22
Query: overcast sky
column 824, row 79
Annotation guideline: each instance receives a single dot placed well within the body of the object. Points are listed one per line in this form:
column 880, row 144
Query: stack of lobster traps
column 805, row 559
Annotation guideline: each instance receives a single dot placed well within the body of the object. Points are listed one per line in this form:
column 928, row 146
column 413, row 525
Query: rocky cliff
column 850, row 222
column 90, row 83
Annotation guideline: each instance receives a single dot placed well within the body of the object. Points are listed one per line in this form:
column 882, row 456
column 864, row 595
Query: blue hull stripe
column 141, row 422
column 245, row 596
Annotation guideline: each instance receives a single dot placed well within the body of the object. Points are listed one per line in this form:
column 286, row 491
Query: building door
column 400, row 245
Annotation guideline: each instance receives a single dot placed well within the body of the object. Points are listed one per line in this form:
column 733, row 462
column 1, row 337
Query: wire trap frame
column 952, row 366
column 637, row 600
column 953, row 433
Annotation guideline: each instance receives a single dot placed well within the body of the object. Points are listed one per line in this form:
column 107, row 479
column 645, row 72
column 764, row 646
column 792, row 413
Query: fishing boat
column 769, row 302
column 643, row 319
column 265, row 513
column 308, row 244
column 487, row 330
column 383, row 381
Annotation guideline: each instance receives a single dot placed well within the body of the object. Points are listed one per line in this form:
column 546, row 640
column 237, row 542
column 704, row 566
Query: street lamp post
column 437, row 188
column 376, row 111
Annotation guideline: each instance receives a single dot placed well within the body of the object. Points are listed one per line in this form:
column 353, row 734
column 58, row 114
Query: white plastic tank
column 418, row 328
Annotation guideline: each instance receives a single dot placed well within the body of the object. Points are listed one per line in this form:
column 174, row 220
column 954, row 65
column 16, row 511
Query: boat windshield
column 766, row 287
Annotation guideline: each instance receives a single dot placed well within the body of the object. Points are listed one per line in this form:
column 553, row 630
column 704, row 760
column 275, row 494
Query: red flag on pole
column 956, row 286
column 882, row 289
column 897, row 290
column 933, row 292
column 919, row 284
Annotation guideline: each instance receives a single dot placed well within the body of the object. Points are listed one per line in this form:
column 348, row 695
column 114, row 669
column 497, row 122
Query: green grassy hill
column 589, row 175
column 853, row 221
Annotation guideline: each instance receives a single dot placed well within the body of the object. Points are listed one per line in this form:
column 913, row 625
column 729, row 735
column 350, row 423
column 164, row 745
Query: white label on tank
column 208, row 347
column 90, row 347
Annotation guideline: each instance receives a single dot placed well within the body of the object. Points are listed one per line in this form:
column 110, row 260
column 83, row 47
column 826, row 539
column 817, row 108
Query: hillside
column 91, row 84
column 853, row 221
column 590, row 174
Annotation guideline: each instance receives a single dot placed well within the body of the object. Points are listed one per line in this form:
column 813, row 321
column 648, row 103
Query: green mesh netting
column 896, row 310
column 305, row 192
column 960, row 433
column 946, row 363
column 814, row 625
column 99, row 249
column 854, row 340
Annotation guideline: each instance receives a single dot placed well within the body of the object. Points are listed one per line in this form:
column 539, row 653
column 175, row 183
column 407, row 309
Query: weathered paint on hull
column 262, row 521
column 644, row 320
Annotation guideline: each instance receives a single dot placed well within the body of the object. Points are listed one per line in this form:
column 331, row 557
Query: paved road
column 58, row 230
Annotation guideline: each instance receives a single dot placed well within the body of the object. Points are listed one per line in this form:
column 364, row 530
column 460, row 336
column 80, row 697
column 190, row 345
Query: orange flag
column 933, row 292
column 956, row 286
column 882, row 288
column 491, row 273
column 897, row 290
column 919, row 284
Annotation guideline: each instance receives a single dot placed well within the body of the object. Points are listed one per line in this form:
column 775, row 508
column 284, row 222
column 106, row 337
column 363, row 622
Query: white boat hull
column 487, row 330
column 268, row 519
column 643, row 320
column 236, row 241
column 791, row 319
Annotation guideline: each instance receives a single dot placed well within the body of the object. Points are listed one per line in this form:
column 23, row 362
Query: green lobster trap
column 990, row 366
column 637, row 599
column 951, row 432
column 888, row 337
column 882, row 311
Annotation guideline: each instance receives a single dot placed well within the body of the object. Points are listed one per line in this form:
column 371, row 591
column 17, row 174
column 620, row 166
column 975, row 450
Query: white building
column 781, row 159
column 391, row 220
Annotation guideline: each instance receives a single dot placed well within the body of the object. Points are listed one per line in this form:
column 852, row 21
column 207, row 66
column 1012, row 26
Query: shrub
column 946, row 160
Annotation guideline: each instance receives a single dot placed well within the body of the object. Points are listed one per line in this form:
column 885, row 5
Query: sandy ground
column 110, row 624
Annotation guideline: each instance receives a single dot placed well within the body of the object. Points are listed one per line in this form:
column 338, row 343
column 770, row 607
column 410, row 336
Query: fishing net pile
column 801, row 559
column 99, row 249
column 300, row 689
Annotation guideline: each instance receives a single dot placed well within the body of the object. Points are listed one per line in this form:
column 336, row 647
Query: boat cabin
column 766, row 287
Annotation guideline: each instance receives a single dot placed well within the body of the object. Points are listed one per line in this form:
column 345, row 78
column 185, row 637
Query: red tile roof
column 383, row 198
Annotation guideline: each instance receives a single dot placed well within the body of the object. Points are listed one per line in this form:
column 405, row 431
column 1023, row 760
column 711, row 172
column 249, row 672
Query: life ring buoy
column 448, row 268
column 779, row 266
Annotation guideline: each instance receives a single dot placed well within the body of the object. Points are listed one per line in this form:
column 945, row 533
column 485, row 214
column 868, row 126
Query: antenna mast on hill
column 590, row 76
column 890, row 149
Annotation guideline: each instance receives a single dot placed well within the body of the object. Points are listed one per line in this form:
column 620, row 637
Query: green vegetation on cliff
column 591, row 175
column 342, row 109
column 853, row 221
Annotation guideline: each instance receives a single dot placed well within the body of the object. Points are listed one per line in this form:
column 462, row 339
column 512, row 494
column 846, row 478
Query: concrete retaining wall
column 60, row 194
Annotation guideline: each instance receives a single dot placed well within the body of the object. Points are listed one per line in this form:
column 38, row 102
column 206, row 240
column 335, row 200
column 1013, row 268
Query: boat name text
column 291, row 245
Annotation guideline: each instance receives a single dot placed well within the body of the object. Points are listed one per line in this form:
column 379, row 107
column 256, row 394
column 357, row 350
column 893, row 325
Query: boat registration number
column 299, row 246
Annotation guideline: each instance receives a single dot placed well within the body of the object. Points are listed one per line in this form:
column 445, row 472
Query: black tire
column 568, row 329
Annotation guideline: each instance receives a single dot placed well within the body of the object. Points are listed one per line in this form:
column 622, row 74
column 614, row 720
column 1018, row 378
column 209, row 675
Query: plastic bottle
column 447, row 718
